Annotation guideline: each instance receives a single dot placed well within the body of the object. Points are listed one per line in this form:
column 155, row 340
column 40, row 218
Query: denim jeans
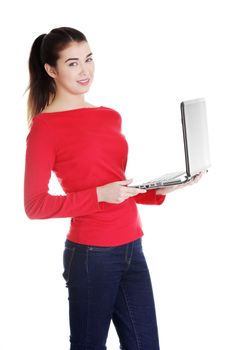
column 109, row 283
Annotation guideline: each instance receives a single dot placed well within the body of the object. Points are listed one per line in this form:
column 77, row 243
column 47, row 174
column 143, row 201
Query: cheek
column 68, row 76
column 92, row 69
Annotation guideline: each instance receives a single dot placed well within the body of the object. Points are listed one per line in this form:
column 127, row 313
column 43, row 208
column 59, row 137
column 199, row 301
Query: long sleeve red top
column 85, row 148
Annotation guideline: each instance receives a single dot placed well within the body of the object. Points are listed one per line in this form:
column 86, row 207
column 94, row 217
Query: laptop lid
column 195, row 133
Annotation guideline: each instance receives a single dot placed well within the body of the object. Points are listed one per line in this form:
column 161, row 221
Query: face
column 74, row 66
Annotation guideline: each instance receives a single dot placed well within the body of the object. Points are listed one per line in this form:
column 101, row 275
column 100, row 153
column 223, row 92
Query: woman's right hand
column 117, row 192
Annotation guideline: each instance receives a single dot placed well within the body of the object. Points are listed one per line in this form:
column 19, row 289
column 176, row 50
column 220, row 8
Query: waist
column 84, row 247
column 113, row 225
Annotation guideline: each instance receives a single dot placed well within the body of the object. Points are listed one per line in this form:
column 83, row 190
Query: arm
column 168, row 189
column 39, row 161
column 157, row 196
column 150, row 197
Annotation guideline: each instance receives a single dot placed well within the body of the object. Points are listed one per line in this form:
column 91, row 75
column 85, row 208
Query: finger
column 124, row 182
column 197, row 178
column 135, row 191
column 127, row 195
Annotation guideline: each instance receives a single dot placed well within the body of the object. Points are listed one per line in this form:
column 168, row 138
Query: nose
column 83, row 70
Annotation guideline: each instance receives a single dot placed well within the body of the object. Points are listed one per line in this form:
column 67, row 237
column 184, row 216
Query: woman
column 104, row 266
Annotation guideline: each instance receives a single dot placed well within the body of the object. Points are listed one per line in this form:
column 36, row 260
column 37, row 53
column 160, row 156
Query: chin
column 84, row 89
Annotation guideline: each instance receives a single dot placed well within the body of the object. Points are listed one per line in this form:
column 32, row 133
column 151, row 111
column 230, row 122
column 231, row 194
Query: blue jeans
column 109, row 283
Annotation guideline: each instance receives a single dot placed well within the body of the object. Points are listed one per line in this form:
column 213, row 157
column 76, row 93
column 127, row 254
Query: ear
column 50, row 70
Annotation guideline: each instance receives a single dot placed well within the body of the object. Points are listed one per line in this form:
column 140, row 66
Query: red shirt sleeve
column 149, row 197
column 39, row 161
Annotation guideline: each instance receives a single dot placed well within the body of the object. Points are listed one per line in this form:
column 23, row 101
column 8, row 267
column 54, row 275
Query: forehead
column 75, row 49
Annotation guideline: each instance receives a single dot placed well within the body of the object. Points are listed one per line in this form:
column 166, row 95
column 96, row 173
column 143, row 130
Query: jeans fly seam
column 86, row 263
column 132, row 320
column 126, row 253
column 130, row 258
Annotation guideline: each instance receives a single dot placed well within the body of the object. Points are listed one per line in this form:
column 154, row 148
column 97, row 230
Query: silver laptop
column 196, row 146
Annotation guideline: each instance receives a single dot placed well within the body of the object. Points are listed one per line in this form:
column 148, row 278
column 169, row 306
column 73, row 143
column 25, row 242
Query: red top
column 85, row 149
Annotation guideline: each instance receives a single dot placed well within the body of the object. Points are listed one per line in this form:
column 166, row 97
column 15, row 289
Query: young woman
column 104, row 266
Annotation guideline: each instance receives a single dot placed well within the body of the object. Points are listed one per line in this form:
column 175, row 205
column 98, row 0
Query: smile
column 84, row 82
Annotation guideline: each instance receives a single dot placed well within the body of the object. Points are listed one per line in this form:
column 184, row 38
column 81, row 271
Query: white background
column 149, row 56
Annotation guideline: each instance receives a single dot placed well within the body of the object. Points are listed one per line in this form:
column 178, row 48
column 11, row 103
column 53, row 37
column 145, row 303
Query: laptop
column 196, row 146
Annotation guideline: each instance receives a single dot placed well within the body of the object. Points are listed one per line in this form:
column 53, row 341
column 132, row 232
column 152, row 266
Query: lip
column 83, row 82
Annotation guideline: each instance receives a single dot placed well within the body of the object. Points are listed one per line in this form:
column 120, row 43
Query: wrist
column 99, row 194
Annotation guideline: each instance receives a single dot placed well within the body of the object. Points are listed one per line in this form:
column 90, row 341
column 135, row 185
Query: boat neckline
column 71, row 110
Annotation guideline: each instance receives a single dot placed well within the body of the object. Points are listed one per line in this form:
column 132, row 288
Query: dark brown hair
column 45, row 49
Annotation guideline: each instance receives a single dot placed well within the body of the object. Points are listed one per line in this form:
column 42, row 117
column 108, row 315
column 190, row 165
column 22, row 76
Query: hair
column 45, row 49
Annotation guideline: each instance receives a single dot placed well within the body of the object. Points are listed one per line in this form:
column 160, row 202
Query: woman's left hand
column 168, row 189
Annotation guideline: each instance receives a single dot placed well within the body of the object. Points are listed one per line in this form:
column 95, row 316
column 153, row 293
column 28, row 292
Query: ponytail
column 45, row 49
column 40, row 83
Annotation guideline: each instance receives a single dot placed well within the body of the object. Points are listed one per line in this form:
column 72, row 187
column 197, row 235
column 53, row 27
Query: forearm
column 73, row 204
column 150, row 197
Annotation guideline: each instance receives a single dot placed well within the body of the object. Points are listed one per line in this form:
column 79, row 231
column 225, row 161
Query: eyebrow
column 75, row 58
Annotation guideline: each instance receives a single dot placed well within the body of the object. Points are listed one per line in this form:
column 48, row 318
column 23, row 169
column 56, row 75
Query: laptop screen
column 196, row 141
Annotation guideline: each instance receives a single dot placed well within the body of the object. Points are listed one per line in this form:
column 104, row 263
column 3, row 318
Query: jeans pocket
column 68, row 256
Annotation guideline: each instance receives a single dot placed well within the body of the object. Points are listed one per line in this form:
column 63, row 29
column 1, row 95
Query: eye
column 73, row 64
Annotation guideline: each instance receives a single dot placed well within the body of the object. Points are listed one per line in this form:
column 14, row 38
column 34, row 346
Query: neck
column 66, row 101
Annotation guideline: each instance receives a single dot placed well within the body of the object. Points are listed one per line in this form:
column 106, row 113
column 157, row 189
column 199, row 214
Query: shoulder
column 54, row 109
column 39, row 127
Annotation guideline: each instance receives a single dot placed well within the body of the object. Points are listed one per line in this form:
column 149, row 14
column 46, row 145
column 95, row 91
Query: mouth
column 83, row 81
